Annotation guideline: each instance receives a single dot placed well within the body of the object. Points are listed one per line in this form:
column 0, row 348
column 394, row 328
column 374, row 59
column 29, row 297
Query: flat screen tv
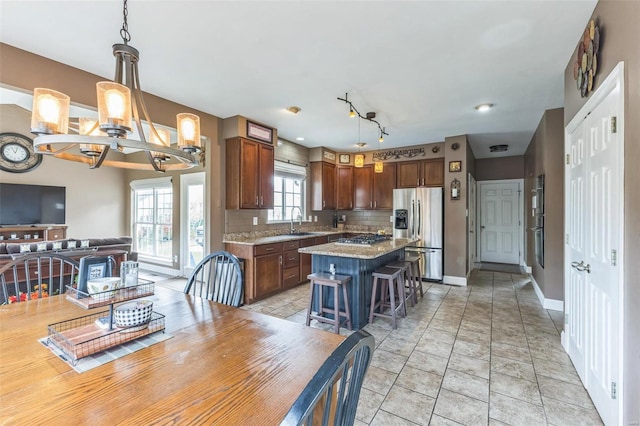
column 31, row 204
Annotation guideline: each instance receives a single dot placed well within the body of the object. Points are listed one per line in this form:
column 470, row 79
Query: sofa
column 9, row 250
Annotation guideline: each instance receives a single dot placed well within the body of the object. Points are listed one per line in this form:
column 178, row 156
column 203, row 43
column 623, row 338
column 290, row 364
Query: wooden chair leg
column 346, row 306
column 392, row 296
column 373, row 299
column 310, row 303
column 336, row 309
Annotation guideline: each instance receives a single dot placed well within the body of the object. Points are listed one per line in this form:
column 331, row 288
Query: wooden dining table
column 223, row 365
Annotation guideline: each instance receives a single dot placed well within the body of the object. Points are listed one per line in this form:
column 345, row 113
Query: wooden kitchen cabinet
column 305, row 259
column 268, row 274
column 383, row 185
column 372, row 190
column 323, row 186
column 249, row 174
column 411, row 174
column 363, row 188
column 433, row 172
column 344, row 188
column 290, row 264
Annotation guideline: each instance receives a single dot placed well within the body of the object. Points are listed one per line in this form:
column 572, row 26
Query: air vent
column 498, row 148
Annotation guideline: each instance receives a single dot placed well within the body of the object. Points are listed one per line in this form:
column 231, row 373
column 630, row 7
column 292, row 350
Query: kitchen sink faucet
column 294, row 230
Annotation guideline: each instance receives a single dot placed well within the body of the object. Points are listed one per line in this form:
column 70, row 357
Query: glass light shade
column 381, row 139
column 50, row 112
column 89, row 127
column 358, row 160
column 188, row 132
column 114, row 108
column 352, row 113
column 163, row 138
column 378, row 167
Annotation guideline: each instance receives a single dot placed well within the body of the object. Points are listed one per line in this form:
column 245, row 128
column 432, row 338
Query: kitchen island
column 359, row 262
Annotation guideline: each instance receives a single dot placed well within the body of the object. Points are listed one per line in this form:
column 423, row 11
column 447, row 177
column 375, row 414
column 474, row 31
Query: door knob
column 575, row 264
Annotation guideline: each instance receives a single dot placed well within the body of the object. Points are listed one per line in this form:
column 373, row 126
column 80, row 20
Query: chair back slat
column 218, row 277
column 347, row 364
column 27, row 274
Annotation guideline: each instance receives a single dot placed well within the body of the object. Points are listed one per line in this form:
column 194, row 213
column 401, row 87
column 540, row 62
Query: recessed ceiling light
column 484, row 107
column 299, row 138
column 294, row 109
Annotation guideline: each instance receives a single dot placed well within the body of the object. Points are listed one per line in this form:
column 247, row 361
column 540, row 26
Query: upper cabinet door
column 433, row 172
column 363, row 188
column 408, row 174
column 383, row 185
column 323, row 186
column 344, row 188
column 266, row 176
column 249, row 179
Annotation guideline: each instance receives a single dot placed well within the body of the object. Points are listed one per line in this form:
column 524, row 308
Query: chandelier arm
column 103, row 156
column 154, row 163
column 141, row 103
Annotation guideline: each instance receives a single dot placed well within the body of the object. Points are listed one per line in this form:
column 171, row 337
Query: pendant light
column 120, row 107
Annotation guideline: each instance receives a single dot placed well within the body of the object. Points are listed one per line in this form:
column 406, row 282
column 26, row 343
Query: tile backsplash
column 237, row 221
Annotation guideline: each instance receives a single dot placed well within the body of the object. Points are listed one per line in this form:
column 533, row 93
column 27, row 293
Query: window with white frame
column 152, row 216
column 288, row 191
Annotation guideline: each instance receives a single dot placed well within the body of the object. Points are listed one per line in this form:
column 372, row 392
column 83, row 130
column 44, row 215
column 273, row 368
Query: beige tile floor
column 477, row 355
column 483, row 354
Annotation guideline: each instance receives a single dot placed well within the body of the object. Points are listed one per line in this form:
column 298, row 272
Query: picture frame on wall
column 455, row 166
column 259, row 132
column 345, row 158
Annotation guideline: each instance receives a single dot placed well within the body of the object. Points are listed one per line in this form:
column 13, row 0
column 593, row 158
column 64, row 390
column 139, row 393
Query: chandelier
column 120, row 106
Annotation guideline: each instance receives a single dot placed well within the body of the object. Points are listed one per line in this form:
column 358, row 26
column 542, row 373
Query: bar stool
column 407, row 280
column 336, row 282
column 389, row 279
column 416, row 273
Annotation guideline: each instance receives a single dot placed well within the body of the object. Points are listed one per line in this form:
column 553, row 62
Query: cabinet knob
column 280, row 259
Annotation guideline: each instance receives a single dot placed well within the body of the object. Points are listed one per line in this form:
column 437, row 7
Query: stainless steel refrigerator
column 418, row 213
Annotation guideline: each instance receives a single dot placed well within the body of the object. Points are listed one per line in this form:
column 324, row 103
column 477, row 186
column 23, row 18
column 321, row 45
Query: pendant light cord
column 124, row 32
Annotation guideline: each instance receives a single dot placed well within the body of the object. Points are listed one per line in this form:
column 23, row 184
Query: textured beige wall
column 619, row 22
column 92, row 196
column 500, row 168
column 455, row 218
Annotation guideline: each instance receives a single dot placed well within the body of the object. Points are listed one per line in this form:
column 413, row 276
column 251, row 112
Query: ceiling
column 422, row 66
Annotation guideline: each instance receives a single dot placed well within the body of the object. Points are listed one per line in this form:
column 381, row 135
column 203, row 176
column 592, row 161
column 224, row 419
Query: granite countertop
column 268, row 237
column 358, row 251
column 257, row 240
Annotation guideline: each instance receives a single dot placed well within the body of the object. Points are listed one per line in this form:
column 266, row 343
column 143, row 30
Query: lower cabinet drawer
column 291, row 258
column 291, row 276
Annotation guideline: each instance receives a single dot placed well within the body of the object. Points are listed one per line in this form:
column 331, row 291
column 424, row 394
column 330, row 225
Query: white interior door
column 192, row 221
column 593, row 262
column 499, row 222
column 473, row 241
column 574, row 279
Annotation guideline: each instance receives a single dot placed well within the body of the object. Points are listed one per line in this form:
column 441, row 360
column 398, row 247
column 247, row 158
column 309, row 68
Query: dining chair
column 331, row 397
column 35, row 275
column 218, row 277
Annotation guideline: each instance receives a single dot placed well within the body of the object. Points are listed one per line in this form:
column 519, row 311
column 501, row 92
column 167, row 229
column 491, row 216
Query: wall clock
column 345, row 158
column 17, row 154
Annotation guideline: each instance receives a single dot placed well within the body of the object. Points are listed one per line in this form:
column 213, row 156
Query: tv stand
column 27, row 233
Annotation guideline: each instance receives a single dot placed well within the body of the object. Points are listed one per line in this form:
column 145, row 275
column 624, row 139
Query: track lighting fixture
column 370, row 116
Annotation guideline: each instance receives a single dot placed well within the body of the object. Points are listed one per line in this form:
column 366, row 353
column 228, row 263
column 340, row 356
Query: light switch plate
column 391, row 219
column 255, row 220
column 315, row 218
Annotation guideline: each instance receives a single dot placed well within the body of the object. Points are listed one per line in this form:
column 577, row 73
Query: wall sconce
column 455, row 189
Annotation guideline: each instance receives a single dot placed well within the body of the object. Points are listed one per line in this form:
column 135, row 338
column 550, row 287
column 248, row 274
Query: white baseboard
column 563, row 340
column 527, row 269
column 448, row 279
column 552, row 304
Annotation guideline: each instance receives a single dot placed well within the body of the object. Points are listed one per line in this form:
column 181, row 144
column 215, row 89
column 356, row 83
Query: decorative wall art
column 259, row 132
column 455, row 166
column 397, row 153
column 586, row 65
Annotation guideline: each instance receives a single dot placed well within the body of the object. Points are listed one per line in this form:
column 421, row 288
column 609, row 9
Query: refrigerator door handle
column 419, row 217
column 413, row 218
